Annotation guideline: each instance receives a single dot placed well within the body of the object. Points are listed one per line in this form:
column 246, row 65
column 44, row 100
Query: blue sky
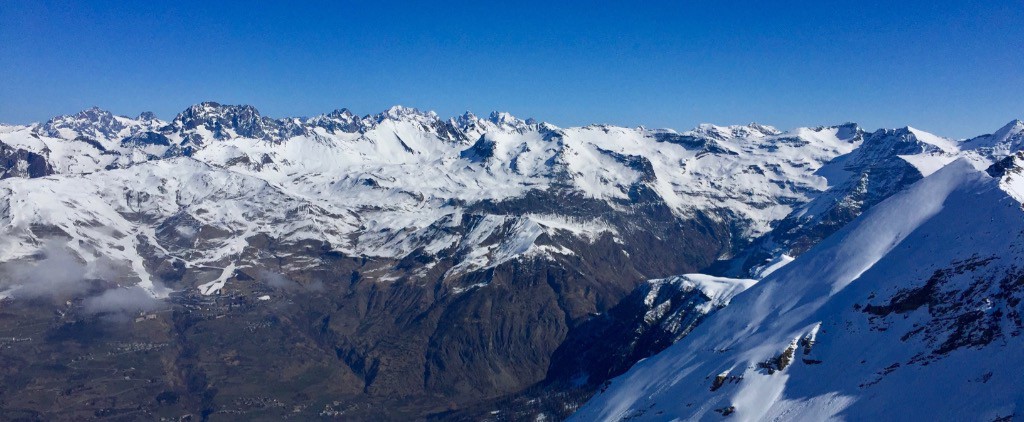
column 955, row 68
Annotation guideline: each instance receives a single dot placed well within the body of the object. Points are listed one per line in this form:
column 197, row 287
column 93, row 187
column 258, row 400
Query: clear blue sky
column 952, row 67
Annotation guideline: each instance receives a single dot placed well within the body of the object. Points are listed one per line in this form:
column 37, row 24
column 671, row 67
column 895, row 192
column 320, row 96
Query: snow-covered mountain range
column 453, row 261
column 378, row 185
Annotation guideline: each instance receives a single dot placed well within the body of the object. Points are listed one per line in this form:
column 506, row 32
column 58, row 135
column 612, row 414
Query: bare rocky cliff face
column 16, row 162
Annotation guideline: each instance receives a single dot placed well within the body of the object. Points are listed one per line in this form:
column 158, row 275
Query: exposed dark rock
column 481, row 151
column 144, row 139
column 16, row 162
column 970, row 304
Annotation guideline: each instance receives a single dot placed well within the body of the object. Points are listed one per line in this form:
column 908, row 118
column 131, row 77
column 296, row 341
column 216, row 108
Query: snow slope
column 913, row 309
column 886, row 162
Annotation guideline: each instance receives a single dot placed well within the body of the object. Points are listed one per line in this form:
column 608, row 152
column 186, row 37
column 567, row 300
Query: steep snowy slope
column 120, row 214
column 1010, row 170
column 886, row 163
column 913, row 309
column 657, row 314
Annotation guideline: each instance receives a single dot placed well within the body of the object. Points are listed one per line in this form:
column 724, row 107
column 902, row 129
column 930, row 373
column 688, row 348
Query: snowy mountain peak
column 848, row 130
column 503, row 118
column 400, row 112
column 217, row 121
column 210, row 110
column 845, row 133
column 473, row 126
column 1013, row 131
column 94, row 113
column 719, row 132
column 762, row 129
column 465, row 121
column 147, row 116
column 507, row 122
column 1000, row 143
column 754, row 130
column 342, row 113
column 944, row 144
column 907, row 140
column 1015, row 126
column 341, row 120
column 93, row 122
